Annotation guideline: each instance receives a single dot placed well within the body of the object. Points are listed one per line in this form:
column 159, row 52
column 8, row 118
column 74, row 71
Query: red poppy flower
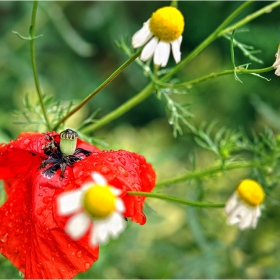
column 32, row 234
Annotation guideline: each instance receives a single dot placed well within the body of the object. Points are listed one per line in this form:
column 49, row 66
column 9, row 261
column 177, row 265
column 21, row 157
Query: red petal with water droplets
column 31, row 233
column 124, row 170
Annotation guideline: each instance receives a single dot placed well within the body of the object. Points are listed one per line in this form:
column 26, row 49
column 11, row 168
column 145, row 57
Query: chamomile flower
column 276, row 64
column 161, row 33
column 243, row 207
column 95, row 202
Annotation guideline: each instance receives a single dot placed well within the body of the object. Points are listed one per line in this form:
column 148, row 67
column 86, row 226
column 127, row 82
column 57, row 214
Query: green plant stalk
column 222, row 73
column 33, row 60
column 207, row 172
column 178, row 200
column 142, row 95
column 250, row 17
column 99, row 88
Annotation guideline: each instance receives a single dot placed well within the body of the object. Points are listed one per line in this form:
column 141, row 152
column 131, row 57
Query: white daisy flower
column 161, row 33
column 95, row 202
column 243, row 207
column 276, row 64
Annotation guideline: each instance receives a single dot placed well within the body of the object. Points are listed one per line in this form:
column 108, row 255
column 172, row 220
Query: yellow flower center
column 99, row 202
column 167, row 24
column 250, row 192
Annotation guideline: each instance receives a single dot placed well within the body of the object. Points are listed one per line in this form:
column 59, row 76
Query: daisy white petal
column 176, row 49
column 237, row 214
column 277, row 72
column 115, row 191
column 117, row 225
column 77, row 225
column 257, row 214
column 149, row 49
column 276, row 63
column 69, row 202
column 247, row 219
column 162, row 53
column 120, row 205
column 99, row 233
column 99, row 179
column 142, row 36
column 231, row 204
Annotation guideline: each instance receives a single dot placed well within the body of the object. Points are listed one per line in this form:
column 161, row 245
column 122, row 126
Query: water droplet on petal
column 122, row 160
column 87, row 265
column 40, row 210
column 79, row 254
column 123, row 171
column 136, row 187
column 104, row 169
column 4, row 238
column 47, row 199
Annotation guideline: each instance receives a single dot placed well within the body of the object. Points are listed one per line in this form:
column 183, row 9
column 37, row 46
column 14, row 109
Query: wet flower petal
column 32, row 234
column 35, row 240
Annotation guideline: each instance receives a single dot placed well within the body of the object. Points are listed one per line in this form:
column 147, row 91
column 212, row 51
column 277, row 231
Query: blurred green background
column 77, row 52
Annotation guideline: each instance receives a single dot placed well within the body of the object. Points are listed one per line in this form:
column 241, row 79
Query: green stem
column 142, row 95
column 218, row 74
column 177, row 200
column 98, row 89
column 33, row 60
column 207, row 172
column 236, row 25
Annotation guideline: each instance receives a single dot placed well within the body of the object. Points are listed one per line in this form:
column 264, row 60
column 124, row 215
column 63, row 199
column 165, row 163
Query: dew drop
column 104, row 170
column 39, row 264
column 123, row 171
column 47, row 199
column 40, row 210
column 7, row 213
column 87, row 265
column 79, row 254
column 122, row 160
column 136, row 187
column 4, row 238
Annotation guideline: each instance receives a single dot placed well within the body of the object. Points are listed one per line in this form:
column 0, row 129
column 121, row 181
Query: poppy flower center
column 99, row 201
column 250, row 192
column 167, row 24
column 68, row 141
